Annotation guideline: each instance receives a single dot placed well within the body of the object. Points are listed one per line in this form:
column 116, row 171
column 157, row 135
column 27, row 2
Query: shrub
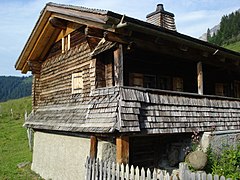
column 226, row 164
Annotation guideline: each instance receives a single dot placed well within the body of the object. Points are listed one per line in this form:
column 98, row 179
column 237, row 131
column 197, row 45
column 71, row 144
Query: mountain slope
column 12, row 87
column 212, row 31
column 227, row 32
column 233, row 46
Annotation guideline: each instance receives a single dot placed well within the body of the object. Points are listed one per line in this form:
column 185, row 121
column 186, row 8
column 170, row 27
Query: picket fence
column 99, row 170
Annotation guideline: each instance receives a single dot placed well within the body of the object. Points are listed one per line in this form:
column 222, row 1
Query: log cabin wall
column 35, row 90
column 55, row 79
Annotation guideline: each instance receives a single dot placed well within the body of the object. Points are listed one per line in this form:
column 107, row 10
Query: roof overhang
column 45, row 34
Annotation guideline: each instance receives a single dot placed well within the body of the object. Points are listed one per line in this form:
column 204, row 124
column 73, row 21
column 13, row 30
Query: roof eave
column 43, row 18
column 151, row 29
column 58, row 11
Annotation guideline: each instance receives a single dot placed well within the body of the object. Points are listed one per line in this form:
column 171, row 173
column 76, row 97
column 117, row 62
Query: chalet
column 114, row 87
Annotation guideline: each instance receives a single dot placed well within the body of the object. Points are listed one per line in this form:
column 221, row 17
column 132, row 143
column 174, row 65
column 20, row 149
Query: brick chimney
column 162, row 18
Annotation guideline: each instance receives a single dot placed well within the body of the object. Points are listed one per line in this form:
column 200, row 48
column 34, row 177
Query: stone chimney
column 162, row 18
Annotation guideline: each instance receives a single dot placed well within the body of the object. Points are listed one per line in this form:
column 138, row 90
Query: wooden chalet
column 113, row 86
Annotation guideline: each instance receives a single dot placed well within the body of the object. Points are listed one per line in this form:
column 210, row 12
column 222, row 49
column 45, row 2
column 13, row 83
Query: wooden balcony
column 159, row 111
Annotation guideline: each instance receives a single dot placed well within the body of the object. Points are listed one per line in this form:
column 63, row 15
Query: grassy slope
column 234, row 46
column 13, row 140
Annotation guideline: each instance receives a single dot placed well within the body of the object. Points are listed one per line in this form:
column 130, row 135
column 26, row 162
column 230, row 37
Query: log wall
column 54, row 83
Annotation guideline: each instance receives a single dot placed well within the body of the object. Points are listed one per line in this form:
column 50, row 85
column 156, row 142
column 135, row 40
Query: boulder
column 197, row 159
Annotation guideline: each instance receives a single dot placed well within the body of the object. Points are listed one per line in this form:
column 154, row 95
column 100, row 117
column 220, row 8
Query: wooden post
column 122, row 154
column 118, row 66
column 93, row 147
column 200, row 78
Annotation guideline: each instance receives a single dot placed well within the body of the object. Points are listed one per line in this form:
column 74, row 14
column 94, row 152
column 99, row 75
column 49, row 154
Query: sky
column 18, row 18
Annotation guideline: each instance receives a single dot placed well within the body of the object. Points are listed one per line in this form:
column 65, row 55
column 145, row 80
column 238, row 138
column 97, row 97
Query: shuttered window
column 66, row 43
column 219, row 89
column 237, row 89
column 177, row 84
column 77, row 83
column 223, row 89
column 136, row 79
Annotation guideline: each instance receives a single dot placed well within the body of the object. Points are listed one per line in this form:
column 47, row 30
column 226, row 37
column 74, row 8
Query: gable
column 54, row 22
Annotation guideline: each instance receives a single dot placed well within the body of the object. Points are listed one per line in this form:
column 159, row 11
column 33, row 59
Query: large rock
column 197, row 159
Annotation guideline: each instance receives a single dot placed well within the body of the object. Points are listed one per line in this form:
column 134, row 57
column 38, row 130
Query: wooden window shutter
column 237, row 89
column 177, row 84
column 136, row 79
column 66, row 43
column 219, row 89
column 77, row 83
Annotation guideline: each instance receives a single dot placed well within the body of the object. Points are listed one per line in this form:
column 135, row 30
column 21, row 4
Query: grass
column 13, row 140
column 234, row 46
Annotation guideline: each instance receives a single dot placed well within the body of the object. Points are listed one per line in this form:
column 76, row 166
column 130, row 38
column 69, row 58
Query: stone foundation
column 59, row 156
column 219, row 139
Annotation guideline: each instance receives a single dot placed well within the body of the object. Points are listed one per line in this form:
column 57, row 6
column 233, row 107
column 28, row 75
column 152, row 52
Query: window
column 164, row 82
column 104, row 70
column 65, row 43
column 142, row 80
column 149, row 81
column 222, row 89
column 77, row 83
column 136, row 79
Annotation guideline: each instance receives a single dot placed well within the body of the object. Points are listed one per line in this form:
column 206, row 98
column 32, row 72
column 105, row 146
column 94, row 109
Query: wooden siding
column 98, row 114
column 156, row 111
column 56, row 75
column 127, row 109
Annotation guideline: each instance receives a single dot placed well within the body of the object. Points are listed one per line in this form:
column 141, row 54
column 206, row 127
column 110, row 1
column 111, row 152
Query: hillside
column 12, row 87
column 228, row 31
column 233, row 46
column 13, row 140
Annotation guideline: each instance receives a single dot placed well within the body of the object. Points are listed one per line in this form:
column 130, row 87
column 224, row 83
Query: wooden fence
column 99, row 170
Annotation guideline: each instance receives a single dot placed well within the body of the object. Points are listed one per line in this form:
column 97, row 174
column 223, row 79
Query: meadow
column 14, row 149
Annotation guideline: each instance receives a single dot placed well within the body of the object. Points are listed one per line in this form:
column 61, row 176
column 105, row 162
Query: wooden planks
column 200, row 77
column 98, row 169
column 159, row 112
column 118, row 66
column 93, row 147
column 122, row 151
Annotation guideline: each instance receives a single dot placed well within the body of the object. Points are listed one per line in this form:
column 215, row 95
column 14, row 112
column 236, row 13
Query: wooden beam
column 122, row 154
column 200, row 78
column 96, row 32
column 118, row 66
column 109, row 36
column 58, row 23
column 34, row 66
column 93, row 147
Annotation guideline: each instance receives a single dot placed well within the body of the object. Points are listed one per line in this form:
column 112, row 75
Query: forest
column 12, row 87
column 229, row 31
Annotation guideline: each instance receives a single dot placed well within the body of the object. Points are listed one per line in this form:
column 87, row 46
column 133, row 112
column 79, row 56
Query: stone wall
column 219, row 139
column 107, row 150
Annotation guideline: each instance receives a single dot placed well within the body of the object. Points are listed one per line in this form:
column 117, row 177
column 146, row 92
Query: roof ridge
column 79, row 8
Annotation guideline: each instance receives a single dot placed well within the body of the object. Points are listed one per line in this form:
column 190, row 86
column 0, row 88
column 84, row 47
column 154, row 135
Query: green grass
column 234, row 46
column 13, row 140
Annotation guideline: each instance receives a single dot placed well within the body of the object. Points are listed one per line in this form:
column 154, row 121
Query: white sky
column 18, row 18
